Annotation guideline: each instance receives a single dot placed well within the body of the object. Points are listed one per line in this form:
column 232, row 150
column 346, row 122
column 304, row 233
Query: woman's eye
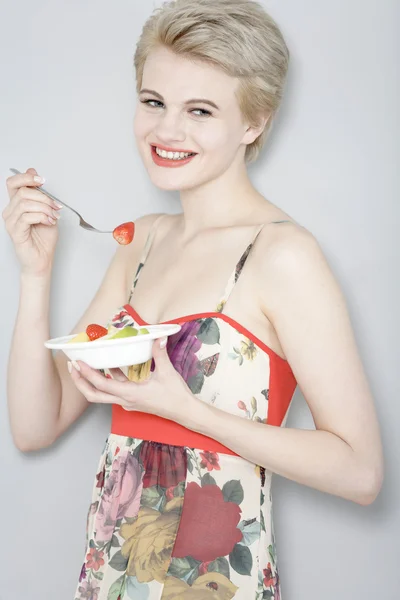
column 198, row 112
column 154, row 103
column 201, row 112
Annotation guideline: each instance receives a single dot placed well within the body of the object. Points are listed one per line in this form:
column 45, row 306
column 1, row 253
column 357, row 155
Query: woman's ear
column 252, row 133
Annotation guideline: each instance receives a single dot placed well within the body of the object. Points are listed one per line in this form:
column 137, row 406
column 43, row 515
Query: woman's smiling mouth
column 171, row 157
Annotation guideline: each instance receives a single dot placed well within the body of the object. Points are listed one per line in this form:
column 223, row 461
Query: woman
column 181, row 505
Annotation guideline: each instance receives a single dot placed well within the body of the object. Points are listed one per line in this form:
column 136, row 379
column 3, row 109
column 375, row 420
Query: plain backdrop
column 67, row 100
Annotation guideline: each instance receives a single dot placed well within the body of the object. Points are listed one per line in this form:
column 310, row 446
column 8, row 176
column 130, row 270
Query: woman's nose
column 170, row 127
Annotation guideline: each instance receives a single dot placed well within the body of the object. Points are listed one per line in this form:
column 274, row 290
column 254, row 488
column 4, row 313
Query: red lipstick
column 169, row 162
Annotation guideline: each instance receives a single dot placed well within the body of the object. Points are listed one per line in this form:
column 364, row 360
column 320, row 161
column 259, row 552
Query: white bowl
column 107, row 353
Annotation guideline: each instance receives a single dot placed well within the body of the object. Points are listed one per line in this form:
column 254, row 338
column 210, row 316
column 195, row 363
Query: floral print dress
column 192, row 520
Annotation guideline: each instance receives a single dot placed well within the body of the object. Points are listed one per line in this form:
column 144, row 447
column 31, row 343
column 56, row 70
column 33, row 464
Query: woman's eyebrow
column 202, row 101
column 191, row 101
column 152, row 92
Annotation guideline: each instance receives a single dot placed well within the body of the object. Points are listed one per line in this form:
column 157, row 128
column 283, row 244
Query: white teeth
column 172, row 155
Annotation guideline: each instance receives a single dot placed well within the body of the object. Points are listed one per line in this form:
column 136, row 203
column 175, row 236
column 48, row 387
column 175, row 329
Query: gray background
column 67, row 104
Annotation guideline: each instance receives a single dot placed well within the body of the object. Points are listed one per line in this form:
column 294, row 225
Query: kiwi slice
column 124, row 333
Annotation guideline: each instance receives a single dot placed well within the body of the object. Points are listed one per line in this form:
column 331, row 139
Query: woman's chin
column 167, row 186
column 171, row 183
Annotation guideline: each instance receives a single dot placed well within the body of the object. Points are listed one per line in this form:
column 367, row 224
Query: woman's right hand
column 31, row 221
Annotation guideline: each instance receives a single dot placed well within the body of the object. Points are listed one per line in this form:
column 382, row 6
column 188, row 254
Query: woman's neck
column 229, row 200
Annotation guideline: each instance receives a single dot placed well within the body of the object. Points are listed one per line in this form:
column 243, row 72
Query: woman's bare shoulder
column 144, row 224
column 290, row 263
column 284, row 253
column 284, row 241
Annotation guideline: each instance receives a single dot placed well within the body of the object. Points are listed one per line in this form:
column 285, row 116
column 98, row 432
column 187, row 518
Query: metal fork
column 82, row 221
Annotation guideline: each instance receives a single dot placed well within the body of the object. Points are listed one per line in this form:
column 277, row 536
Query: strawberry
column 124, row 233
column 94, row 332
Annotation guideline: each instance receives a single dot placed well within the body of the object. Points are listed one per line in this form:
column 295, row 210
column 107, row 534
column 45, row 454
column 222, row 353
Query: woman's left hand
column 163, row 394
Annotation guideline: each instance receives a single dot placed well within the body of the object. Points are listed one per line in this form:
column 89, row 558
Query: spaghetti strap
column 145, row 253
column 240, row 264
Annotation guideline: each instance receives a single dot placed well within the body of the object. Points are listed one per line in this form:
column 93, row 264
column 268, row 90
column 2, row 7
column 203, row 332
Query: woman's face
column 191, row 109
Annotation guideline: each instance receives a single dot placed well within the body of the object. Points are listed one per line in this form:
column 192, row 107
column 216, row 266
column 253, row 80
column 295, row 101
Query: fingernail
column 55, row 214
column 52, row 221
column 39, row 179
column 69, row 365
column 75, row 365
column 163, row 342
column 57, row 205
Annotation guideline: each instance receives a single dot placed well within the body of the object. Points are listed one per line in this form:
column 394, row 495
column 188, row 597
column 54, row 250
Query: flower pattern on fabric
column 121, row 319
column 250, row 409
column 209, row 461
column 211, row 521
column 246, row 351
column 182, row 349
column 121, row 495
column 210, row 585
column 94, row 559
column 82, row 576
column 164, row 466
column 192, row 534
column 89, row 590
column 149, row 541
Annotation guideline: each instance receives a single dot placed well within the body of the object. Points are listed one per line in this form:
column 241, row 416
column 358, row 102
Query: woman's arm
column 43, row 401
column 306, row 307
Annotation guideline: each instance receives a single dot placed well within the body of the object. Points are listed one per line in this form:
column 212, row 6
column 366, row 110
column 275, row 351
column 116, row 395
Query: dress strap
column 239, row 266
column 145, row 253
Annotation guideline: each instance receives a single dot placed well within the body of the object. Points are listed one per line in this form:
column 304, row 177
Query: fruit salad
column 95, row 332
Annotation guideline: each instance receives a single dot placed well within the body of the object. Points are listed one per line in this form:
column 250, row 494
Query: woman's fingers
column 25, row 198
column 19, row 222
column 15, row 182
column 33, row 218
column 102, row 383
column 22, row 212
column 31, row 206
column 92, row 393
column 118, row 375
column 20, row 230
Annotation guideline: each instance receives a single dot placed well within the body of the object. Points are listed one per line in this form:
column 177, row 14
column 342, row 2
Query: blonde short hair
column 237, row 36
